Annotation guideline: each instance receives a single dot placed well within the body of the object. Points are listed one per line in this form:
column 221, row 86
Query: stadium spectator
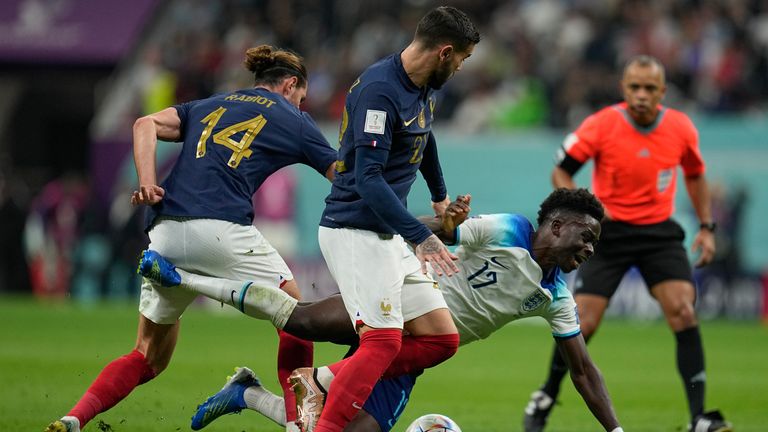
column 202, row 214
column 637, row 147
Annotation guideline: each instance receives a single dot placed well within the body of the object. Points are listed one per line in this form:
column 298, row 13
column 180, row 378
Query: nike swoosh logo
column 408, row 123
column 498, row 263
column 232, row 296
column 356, row 406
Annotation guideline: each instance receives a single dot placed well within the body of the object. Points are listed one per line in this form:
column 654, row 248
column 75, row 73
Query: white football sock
column 265, row 402
column 264, row 303
column 325, row 377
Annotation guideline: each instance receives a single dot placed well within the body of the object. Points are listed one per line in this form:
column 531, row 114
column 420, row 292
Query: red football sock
column 338, row 366
column 352, row 385
column 422, row 352
column 113, row 384
column 292, row 353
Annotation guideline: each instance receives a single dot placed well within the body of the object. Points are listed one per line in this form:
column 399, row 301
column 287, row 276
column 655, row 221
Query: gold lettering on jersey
column 250, row 129
column 432, row 107
column 240, row 148
column 357, row 81
column 344, row 124
column 340, row 166
column 422, row 119
column 261, row 100
column 211, row 119
column 418, row 148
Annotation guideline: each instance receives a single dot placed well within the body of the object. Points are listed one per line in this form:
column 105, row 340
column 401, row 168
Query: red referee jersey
column 635, row 172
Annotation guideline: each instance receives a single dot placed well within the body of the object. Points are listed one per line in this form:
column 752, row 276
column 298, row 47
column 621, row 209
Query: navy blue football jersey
column 384, row 110
column 231, row 143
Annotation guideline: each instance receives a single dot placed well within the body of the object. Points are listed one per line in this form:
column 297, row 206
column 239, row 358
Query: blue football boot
column 229, row 400
column 153, row 266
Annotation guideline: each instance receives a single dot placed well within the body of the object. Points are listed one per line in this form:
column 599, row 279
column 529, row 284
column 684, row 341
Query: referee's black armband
column 569, row 164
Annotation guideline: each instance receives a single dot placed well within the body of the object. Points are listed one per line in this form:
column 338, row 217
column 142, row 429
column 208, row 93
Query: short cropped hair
column 446, row 24
column 576, row 201
column 644, row 60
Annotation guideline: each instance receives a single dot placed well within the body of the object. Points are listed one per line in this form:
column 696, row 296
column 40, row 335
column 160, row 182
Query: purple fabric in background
column 70, row 31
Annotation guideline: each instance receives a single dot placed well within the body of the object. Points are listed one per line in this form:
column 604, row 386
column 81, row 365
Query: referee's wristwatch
column 709, row 226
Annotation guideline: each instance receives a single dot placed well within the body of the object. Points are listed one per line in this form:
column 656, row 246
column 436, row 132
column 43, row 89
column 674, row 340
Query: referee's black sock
column 557, row 370
column 690, row 364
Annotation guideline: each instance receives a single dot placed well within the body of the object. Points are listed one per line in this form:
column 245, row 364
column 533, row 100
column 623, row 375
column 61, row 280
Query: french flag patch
column 373, row 143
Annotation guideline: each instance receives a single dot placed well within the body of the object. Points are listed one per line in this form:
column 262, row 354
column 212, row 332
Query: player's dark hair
column 644, row 60
column 271, row 66
column 578, row 201
column 446, row 24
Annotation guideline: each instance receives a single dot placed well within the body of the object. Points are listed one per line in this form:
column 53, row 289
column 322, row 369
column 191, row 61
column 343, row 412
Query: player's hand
column 439, row 207
column 456, row 213
column 147, row 195
column 705, row 243
column 432, row 250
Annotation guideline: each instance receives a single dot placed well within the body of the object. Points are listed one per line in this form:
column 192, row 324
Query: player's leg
column 155, row 343
column 595, row 283
column 368, row 270
column 432, row 336
column 325, row 320
column 666, row 270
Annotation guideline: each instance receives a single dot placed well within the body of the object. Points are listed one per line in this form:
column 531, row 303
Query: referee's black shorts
column 657, row 251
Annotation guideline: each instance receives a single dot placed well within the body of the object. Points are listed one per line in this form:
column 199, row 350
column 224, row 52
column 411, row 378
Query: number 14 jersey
column 231, row 143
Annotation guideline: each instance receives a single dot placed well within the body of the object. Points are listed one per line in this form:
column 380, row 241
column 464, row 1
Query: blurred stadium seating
column 75, row 77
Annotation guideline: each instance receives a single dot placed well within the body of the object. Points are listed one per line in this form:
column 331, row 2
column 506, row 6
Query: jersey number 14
column 240, row 149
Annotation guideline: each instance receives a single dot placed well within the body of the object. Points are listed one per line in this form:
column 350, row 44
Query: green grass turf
column 51, row 351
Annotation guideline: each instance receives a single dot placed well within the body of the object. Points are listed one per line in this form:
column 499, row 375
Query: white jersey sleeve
column 562, row 315
column 500, row 281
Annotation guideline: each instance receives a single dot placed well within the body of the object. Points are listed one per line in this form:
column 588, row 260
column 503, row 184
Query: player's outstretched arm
column 444, row 225
column 588, row 380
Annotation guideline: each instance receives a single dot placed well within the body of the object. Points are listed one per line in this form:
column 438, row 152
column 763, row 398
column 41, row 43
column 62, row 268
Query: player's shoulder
column 379, row 77
column 508, row 229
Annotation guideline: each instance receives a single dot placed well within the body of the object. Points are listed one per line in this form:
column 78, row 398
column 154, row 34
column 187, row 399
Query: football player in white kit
column 508, row 271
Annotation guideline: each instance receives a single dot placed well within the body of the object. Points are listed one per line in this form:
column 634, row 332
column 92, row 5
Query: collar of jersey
column 645, row 130
column 402, row 74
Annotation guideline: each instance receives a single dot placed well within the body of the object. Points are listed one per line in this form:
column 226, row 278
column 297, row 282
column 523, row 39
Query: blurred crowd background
column 74, row 77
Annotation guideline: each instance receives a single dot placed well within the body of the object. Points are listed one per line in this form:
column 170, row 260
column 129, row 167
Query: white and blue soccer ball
column 433, row 423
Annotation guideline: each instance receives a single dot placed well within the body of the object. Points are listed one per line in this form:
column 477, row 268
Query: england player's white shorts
column 210, row 247
column 379, row 279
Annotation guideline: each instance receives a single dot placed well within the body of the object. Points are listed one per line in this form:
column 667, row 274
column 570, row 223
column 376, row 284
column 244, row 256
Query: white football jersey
column 500, row 282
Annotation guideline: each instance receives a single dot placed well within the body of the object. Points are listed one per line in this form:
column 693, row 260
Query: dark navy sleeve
column 430, row 169
column 314, row 145
column 378, row 195
column 375, row 116
column 183, row 111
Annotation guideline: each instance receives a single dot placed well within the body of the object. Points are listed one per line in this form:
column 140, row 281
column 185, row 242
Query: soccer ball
column 433, row 423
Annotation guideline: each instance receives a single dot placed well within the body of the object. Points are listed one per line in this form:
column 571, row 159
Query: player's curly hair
column 271, row 65
column 579, row 201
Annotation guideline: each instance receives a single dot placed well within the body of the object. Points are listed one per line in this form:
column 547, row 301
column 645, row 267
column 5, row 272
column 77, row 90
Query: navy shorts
column 656, row 250
column 388, row 399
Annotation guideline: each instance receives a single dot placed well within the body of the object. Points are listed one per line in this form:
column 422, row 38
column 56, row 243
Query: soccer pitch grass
column 51, row 351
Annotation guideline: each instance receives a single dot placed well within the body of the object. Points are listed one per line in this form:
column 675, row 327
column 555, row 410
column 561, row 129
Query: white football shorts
column 379, row 279
column 209, row 247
